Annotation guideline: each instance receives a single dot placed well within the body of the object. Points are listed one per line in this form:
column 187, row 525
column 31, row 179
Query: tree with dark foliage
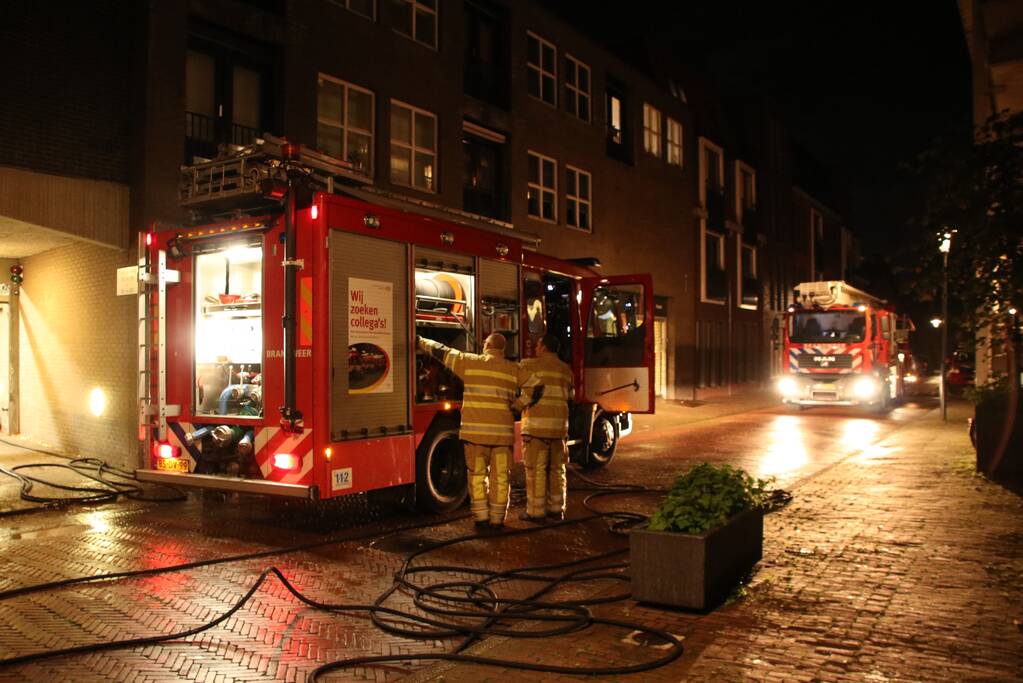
column 976, row 190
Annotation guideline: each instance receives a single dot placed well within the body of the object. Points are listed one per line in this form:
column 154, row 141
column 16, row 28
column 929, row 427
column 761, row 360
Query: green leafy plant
column 706, row 496
column 995, row 389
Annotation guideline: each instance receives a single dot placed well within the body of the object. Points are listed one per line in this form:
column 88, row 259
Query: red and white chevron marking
column 173, row 439
column 270, row 441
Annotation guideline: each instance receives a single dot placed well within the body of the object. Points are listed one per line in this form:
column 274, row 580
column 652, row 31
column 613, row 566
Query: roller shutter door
column 365, row 402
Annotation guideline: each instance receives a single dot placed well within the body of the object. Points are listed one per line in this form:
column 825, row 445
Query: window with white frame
column 413, row 147
column 366, row 8
column 651, row 130
column 714, row 285
column 416, row 19
column 542, row 192
column 749, row 287
column 542, row 69
column 674, row 142
column 344, row 122
column 577, row 88
column 712, row 172
column 745, row 188
column 578, row 198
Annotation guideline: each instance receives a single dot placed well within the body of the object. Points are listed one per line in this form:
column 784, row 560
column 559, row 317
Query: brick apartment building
column 493, row 107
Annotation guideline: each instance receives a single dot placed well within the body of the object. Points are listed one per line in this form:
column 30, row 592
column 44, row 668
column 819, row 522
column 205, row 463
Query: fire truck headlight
column 866, row 387
column 787, row 386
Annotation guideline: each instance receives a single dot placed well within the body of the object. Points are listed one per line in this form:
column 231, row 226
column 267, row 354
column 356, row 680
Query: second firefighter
column 545, row 434
column 494, row 388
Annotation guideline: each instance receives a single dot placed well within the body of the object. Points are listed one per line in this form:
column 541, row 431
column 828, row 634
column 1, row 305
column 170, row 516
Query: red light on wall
column 285, row 461
column 166, row 450
column 314, row 212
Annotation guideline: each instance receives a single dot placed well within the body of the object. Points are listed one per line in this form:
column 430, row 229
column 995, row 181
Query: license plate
column 172, row 464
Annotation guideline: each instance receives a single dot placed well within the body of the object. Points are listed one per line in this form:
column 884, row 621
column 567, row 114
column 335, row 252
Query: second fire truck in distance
column 842, row 346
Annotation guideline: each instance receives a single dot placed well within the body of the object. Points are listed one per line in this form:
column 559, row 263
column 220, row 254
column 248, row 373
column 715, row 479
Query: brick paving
column 894, row 562
column 897, row 563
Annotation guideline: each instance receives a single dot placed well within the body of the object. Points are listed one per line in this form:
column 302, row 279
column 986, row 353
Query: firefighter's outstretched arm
column 449, row 357
column 530, row 390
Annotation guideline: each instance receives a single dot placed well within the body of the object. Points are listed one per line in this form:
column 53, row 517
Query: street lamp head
column 945, row 244
column 1012, row 311
column 936, row 322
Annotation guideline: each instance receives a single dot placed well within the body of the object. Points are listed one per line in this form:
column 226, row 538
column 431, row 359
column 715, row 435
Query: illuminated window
column 413, row 147
column 578, row 201
column 542, row 193
column 651, row 130
column 541, row 65
column 577, row 88
column 674, row 142
column 344, row 122
column 416, row 19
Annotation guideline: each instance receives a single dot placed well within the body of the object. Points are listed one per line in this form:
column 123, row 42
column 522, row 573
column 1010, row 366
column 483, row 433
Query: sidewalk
column 896, row 563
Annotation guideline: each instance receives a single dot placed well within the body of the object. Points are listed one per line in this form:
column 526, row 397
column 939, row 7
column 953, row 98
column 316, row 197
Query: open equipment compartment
column 228, row 281
column 445, row 312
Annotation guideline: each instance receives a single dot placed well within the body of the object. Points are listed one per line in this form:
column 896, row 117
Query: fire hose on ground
column 108, row 483
column 469, row 609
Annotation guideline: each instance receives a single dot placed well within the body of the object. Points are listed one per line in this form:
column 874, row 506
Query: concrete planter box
column 696, row 572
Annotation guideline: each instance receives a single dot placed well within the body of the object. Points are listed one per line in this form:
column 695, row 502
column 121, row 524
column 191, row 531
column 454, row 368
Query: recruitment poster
column 370, row 336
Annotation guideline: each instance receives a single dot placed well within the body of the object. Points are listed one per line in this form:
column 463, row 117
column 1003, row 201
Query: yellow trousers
column 545, row 461
column 488, row 481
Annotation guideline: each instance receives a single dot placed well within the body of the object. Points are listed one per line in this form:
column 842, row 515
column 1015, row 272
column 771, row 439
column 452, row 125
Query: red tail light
column 314, row 212
column 149, row 239
column 285, row 461
column 166, row 450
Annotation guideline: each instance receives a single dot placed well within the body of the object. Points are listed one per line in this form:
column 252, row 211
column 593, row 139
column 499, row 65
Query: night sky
column 864, row 86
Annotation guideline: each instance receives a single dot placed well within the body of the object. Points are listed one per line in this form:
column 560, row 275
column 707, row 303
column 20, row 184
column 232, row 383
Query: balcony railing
column 243, row 135
column 200, row 127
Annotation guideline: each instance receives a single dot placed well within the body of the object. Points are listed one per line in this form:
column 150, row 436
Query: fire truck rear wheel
column 441, row 481
column 603, row 442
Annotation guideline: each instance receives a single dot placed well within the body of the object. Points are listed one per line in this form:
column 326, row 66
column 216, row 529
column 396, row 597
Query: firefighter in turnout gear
column 493, row 388
column 545, row 434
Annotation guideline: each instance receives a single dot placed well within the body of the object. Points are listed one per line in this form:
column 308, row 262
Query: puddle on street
column 63, row 530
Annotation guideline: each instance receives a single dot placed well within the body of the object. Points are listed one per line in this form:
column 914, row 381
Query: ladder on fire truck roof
column 828, row 293
column 153, row 279
column 232, row 184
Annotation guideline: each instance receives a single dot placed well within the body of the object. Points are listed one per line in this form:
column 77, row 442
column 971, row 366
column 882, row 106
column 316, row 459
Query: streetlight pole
column 944, row 247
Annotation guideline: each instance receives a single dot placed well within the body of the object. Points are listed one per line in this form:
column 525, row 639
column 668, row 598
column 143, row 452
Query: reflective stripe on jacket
column 548, row 419
column 492, row 387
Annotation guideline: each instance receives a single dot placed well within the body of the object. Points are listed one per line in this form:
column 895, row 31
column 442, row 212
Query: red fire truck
column 842, row 346
column 277, row 340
